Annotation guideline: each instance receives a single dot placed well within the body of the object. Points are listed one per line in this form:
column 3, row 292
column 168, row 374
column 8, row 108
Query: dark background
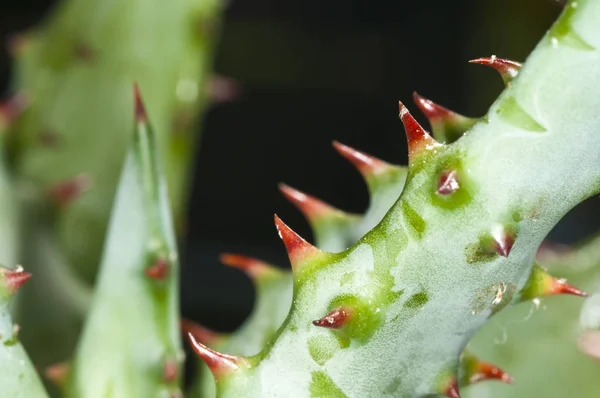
column 312, row 71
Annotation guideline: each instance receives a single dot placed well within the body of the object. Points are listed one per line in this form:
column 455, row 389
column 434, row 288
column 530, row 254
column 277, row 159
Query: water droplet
column 554, row 42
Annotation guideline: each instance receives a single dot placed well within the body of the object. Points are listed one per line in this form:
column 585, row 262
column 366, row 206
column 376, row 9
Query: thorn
column 336, row 319
column 487, row 371
column 84, row 52
column 503, row 241
column 560, row 286
column 447, row 183
column 369, row 166
column 418, row 139
column 222, row 89
column 64, row 193
column 312, row 208
column 447, row 126
column 435, row 113
column 170, row 371
column 219, row 364
column 17, row 44
column 57, row 373
column 542, row 284
column 13, row 107
column 298, row 249
column 201, row 333
column 14, row 279
column 452, row 390
column 159, row 270
column 253, row 267
column 140, row 109
column 508, row 69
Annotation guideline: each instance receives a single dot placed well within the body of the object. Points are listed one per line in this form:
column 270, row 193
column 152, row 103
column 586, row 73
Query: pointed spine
column 57, row 373
column 508, row 69
column 313, row 209
column 159, row 270
column 299, row 250
column 14, row 279
column 447, row 126
column 375, row 171
column 222, row 89
column 476, row 370
column 141, row 116
column 12, row 108
column 200, row 333
column 170, row 371
column 254, row 268
column 488, row 371
column 452, row 390
column 447, row 183
column 219, row 364
column 542, row 284
column 419, row 140
column 503, row 240
column 66, row 192
column 336, row 319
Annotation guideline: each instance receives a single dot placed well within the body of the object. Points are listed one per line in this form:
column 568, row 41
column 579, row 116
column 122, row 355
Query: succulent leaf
column 18, row 376
column 401, row 281
column 130, row 360
column 75, row 70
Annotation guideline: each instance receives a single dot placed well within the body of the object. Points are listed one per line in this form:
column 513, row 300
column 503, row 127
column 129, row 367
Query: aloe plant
column 391, row 315
column 386, row 303
column 73, row 76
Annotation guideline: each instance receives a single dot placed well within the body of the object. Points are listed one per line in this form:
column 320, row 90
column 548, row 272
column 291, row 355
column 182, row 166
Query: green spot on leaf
column 321, row 386
column 417, row 300
column 511, row 112
column 364, row 321
column 414, row 219
column 346, row 278
column 562, row 32
column 322, row 348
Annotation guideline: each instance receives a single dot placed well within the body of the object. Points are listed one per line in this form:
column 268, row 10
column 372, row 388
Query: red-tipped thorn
column 140, row 109
column 201, row 333
column 57, row 373
column 433, row 111
column 488, row 371
column 367, row 165
column 336, row 319
column 560, row 286
column 64, row 193
column 14, row 279
column 222, row 89
column 170, row 371
column 219, row 364
column 159, row 270
column 503, row 242
column 447, row 183
column 298, row 249
column 13, row 107
column 312, row 208
column 253, row 267
column 418, row 139
column 452, row 390
column 507, row 69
